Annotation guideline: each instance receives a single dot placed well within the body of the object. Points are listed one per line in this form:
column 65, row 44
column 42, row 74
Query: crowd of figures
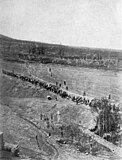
column 55, row 88
column 108, row 119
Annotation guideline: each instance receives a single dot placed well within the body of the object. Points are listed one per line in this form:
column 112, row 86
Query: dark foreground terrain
column 23, row 104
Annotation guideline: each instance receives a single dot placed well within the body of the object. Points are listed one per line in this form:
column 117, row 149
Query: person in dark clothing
column 56, row 98
column 67, row 88
column 41, row 116
column 51, row 116
column 49, row 134
column 84, row 93
column 48, row 124
column 61, row 129
column 49, row 69
column 64, row 82
column 109, row 97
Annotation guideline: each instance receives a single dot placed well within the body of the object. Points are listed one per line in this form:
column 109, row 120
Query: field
column 22, row 103
column 96, row 83
column 49, row 129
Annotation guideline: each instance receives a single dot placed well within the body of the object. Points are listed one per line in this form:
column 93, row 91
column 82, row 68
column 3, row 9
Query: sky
column 88, row 23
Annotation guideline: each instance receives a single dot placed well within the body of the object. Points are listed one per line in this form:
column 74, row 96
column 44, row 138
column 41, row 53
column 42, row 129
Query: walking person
column 50, row 71
column 84, row 93
column 64, row 82
column 109, row 97
column 67, row 88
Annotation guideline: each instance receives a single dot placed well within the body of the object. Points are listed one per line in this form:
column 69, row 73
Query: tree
column 108, row 121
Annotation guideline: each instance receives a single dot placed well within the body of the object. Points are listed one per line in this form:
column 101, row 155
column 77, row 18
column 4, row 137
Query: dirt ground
column 22, row 103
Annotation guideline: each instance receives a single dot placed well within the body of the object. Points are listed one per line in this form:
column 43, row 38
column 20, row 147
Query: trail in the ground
column 116, row 150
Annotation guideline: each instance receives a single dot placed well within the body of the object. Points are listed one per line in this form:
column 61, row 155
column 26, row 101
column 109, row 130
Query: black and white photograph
column 60, row 79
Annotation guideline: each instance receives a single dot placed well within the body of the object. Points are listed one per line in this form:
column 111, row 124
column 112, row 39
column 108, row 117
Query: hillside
column 47, row 120
column 21, row 51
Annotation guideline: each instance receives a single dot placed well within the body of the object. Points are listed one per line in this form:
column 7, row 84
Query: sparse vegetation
column 23, row 103
column 107, row 125
column 108, row 121
column 20, row 51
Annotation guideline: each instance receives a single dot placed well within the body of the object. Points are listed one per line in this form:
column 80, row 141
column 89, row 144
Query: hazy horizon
column 81, row 23
column 61, row 44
